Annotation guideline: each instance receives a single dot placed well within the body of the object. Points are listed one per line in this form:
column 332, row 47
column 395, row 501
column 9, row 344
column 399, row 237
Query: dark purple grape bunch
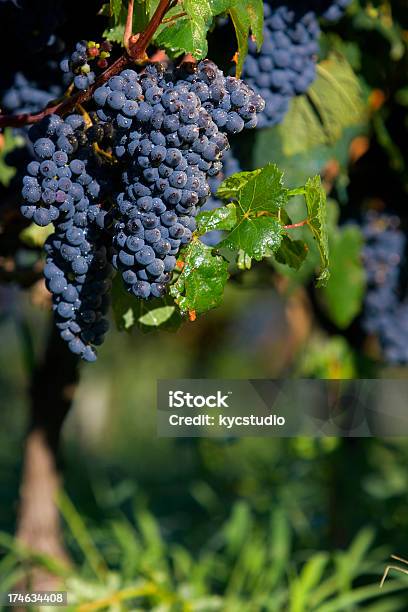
column 331, row 10
column 61, row 187
column 285, row 67
column 385, row 312
column 169, row 136
column 26, row 96
column 88, row 58
column 158, row 123
column 164, row 136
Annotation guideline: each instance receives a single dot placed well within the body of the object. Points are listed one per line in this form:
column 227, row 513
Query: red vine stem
column 136, row 51
column 294, row 225
column 129, row 24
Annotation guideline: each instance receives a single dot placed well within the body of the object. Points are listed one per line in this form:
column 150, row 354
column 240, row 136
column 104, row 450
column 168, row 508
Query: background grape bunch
column 385, row 311
column 286, row 64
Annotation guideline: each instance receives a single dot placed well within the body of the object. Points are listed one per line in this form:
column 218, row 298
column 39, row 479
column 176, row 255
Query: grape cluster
column 24, row 96
column 136, row 176
column 60, row 188
column 169, row 135
column 286, row 64
column 385, row 311
column 77, row 67
column 331, row 10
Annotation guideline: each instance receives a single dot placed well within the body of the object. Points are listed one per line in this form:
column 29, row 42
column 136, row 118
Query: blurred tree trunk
column 52, row 389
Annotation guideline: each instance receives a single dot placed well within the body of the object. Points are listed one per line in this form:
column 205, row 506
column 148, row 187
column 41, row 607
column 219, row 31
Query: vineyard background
column 251, row 524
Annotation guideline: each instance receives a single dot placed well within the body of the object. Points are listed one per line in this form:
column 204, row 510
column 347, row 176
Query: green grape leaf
column 182, row 37
column 255, row 192
column 247, row 17
column 114, row 34
column 157, row 316
column 222, row 218
column 292, row 252
column 332, row 103
column 343, row 295
column 231, row 186
column 201, row 283
column 35, row 236
column 259, row 237
column 187, row 33
column 315, row 197
column 8, row 142
column 260, row 196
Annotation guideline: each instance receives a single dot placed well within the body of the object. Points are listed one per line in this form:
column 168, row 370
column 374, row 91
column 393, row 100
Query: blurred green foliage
column 130, row 566
column 252, row 524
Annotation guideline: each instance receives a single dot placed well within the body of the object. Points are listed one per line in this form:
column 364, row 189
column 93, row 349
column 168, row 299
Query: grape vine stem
column 294, row 225
column 129, row 24
column 136, row 51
